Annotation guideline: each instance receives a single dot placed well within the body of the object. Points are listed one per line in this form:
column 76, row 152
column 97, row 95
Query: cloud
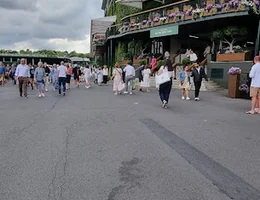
column 47, row 24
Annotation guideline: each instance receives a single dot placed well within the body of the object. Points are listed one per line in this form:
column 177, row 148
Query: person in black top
column 198, row 73
column 76, row 73
column 47, row 72
column 140, row 77
column 31, row 76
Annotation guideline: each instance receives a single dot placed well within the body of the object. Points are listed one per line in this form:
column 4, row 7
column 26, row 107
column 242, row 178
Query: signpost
column 160, row 32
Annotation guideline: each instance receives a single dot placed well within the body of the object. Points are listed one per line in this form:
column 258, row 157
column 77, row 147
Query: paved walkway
column 92, row 145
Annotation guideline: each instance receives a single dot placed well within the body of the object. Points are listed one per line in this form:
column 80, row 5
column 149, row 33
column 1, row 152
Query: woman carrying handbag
column 164, row 82
column 118, row 84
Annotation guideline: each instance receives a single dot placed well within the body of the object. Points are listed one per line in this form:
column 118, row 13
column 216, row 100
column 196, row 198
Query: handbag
column 162, row 78
column 56, row 85
column 135, row 83
column 121, row 86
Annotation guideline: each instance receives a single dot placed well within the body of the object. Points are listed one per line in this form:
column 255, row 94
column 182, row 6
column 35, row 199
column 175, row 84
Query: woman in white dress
column 100, row 76
column 87, row 76
column 146, row 78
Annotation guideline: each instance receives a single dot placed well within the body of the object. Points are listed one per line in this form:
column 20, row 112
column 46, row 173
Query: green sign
column 159, row 32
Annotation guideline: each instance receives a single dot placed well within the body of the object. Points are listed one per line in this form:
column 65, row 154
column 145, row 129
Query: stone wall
column 213, row 67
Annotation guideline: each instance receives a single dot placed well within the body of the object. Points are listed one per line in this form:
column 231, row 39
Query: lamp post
column 257, row 40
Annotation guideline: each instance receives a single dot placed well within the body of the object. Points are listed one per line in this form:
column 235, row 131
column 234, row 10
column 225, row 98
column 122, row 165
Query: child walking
column 185, row 83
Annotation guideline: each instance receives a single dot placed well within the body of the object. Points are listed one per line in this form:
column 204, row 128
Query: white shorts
column 87, row 78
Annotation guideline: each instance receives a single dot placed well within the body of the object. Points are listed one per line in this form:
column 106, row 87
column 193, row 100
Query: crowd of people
column 124, row 79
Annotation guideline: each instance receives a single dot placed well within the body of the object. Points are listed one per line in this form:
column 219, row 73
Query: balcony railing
column 178, row 12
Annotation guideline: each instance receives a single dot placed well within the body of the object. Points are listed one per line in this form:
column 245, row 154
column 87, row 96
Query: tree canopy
column 229, row 35
column 47, row 53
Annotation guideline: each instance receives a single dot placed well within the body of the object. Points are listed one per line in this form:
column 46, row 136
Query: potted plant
column 142, row 62
column 233, row 82
column 172, row 17
column 156, row 21
column 229, row 35
column 186, row 62
column 197, row 13
column 244, row 91
column 159, row 64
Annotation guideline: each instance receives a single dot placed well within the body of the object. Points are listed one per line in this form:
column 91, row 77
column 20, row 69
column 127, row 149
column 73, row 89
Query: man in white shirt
column 129, row 76
column 61, row 76
column 255, row 86
column 193, row 57
column 22, row 75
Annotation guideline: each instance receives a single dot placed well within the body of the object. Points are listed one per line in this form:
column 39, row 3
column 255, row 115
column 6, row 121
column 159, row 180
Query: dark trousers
column 165, row 91
column 62, row 81
column 105, row 79
column 13, row 78
column 23, row 81
column 31, row 82
column 197, row 88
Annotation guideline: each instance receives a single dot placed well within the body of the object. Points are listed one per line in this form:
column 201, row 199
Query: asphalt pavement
column 92, row 145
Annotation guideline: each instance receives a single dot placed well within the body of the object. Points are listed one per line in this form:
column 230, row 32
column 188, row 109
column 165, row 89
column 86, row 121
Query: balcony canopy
column 135, row 3
column 100, row 25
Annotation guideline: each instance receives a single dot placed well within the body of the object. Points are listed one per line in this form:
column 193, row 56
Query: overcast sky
column 47, row 24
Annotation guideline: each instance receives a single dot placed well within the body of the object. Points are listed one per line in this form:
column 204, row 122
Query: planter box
column 227, row 57
column 233, row 86
column 156, row 23
column 187, row 17
column 172, row 20
column 133, row 28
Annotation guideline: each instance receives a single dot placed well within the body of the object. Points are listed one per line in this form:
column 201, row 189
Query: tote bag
column 162, row 78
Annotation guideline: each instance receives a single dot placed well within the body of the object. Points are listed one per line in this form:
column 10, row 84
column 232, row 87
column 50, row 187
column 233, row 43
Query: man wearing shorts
column 255, row 85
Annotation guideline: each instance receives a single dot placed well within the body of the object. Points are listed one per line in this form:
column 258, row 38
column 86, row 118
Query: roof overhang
column 79, row 59
column 99, row 26
column 135, row 3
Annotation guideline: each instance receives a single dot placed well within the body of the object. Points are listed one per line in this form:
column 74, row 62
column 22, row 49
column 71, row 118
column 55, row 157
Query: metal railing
column 174, row 13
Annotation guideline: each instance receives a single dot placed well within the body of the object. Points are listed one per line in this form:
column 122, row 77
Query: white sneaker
column 197, row 99
column 187, row 98
column 115, row 93
column 164, row 104
column 40, row 95
column 125, row 92
column 46, row 90
column 43, row 95
column 183, row 98
column 256, row 109
column 131, row 93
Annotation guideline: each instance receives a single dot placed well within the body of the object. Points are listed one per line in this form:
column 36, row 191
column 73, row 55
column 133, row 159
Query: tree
column 229, row 35
column 22, row 52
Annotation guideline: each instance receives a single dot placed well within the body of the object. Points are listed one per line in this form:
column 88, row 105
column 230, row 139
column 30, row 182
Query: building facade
column 145, row 28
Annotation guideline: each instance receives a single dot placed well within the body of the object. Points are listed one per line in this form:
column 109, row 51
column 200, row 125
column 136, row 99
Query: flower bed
column 191, row 13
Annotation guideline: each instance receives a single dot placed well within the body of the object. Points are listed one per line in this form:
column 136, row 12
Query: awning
column 79, row 59
column 98, row 29
column 100, row 25
column 135, row 3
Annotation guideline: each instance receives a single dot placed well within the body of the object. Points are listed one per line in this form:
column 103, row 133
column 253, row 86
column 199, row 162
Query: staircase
column 205, row 86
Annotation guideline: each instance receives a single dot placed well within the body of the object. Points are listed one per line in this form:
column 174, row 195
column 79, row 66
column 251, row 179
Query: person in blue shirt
column 185, row 82
column 2, row 73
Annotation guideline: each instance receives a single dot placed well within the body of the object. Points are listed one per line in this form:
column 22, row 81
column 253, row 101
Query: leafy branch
column 229, row 35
